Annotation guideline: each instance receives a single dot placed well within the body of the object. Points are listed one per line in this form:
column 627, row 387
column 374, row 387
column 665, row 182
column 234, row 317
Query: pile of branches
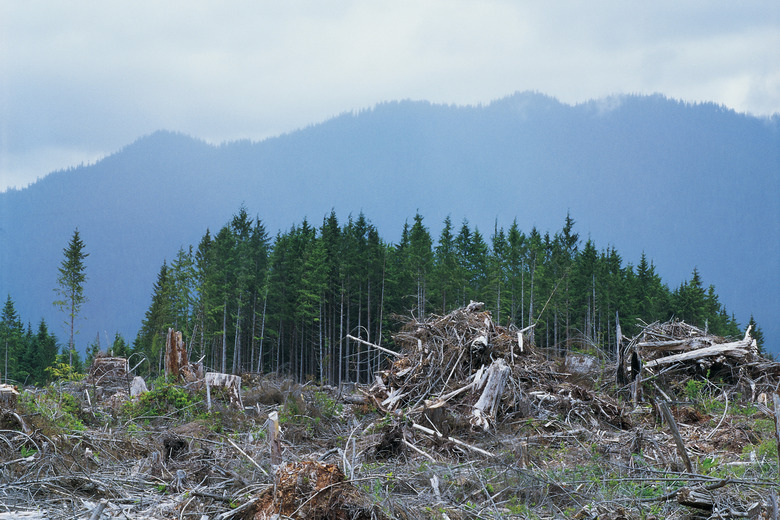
column 464, row 371
column 679, row 351
column 678, row 342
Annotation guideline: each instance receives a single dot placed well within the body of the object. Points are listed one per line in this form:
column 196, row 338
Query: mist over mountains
column 690, row 185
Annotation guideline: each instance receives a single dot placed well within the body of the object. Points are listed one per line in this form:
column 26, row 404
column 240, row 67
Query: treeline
column 247, row 302
column 26, row 352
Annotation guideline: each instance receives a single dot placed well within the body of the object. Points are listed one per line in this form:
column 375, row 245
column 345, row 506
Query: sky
column 81, row 79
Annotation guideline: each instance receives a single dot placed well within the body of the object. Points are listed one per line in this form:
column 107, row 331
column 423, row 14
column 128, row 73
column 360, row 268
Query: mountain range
column 691, row 185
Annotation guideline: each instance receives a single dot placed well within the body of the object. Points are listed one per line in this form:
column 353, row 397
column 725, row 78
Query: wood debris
column 469, row 419
column 314, row 491
column 109, row 375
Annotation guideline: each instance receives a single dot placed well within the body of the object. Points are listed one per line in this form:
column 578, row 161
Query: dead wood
column 315, row 491
column 110, row 374
column 678, row 440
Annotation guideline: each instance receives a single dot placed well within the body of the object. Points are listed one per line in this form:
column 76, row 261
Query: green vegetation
column 287, row 304
column 70, row 286
column 58, row 409
column 165, row 399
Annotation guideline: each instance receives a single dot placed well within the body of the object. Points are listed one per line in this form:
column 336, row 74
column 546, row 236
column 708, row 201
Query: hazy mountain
column 691, row 185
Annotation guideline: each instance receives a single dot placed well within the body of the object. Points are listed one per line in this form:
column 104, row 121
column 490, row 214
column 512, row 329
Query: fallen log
column 700, row 497
column 742, row 349
column 678, row 440
column 451, row 439
column 374, row 345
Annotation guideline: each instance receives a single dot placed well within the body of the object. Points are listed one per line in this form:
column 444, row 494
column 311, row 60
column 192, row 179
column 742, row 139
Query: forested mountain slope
column 690, row 185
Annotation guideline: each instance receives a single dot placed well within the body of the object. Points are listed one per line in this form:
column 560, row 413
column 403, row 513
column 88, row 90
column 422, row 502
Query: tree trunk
column 322, row 358
column 224, row 337
column 485, row 408
column 237, row 341
column 262, row 336
column 341, row 337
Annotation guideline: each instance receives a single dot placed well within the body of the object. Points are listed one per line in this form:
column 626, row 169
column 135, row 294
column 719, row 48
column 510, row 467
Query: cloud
column 90, row 75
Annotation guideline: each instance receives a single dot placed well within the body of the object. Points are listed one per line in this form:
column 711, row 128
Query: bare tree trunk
column 303, row 352
column 322, row 359
column 531, row 303
column 252, row 335
column 381, row 314
column 359, row 333
column 279, row 347
column 341, row 337
column 262, row 336
column 348, row 352
column 522, row 294
column 224, row 337
column 237, row 341
column 368, row 332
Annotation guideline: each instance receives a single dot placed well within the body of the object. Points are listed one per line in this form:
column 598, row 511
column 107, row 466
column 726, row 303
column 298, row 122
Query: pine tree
column 758, row 335
column 445, row 269
column 689, row 301
column 12, row 337
column 70, row 286
column 516, row 265
column 420, row 261
column 120, row 348
column 44, row 354
column 151, row 337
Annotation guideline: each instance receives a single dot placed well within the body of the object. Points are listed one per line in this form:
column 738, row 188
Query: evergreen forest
column 247, row 302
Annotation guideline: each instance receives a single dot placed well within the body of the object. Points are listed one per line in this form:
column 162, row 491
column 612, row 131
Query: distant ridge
column 689, row 184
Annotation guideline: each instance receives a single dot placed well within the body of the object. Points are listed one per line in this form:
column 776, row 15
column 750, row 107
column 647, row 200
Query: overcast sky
column 79, row 80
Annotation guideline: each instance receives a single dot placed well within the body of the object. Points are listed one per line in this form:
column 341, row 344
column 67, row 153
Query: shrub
column 165, row 399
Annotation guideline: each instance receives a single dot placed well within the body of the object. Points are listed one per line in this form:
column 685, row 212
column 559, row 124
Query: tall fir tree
column 70, row 286
column 12, row 337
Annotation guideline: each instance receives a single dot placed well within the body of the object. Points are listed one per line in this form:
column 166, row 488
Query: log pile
column 463, row 371
column 675, row 342
column 674, row 352
column 468, row 420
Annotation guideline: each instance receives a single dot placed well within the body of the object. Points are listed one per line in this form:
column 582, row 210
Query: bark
column 487, row 405
column 664, row 408
column 175, row 354
column 742, row 349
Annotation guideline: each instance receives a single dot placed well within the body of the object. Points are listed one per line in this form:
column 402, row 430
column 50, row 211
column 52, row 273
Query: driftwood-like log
column 738, row 349
column 678, row 440
column 696, row 497
column 451, row 439
column 374, row 345
column 487, row 405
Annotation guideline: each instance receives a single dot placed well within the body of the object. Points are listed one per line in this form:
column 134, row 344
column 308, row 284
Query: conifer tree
column 43, row 353
column 12, row 337
column 420, row 261
column 516, row 266
column 445, row 269
column 689, row 301
column 151, row 337
column 70, row 286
